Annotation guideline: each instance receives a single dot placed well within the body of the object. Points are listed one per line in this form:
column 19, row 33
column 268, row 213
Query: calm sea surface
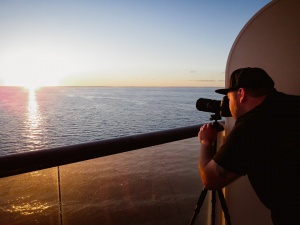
column 59, row 116
column 159, row 185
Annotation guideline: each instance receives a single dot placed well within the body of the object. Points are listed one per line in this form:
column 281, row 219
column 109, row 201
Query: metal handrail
column 19, row 163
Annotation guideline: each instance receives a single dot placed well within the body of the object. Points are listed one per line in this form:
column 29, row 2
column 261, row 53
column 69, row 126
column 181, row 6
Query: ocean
column 58, row 116
column 152, row 186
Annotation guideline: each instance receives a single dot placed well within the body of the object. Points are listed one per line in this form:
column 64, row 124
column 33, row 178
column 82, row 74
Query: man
column 263, row 144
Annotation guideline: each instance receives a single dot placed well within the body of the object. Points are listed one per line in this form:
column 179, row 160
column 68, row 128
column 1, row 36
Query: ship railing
column 13, row 164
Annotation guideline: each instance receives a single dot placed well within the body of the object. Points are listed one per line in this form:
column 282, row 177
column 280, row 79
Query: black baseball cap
column 248, row 78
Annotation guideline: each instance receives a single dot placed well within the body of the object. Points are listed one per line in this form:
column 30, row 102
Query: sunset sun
column 36, row 65
column 30, row 82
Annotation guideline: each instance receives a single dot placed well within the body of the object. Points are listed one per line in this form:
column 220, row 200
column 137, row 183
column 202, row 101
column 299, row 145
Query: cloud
column 207, row 80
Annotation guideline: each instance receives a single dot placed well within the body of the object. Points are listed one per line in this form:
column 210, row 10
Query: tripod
column 218, row 127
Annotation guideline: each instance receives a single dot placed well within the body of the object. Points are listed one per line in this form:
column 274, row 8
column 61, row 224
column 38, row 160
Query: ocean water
column 58, row 116
column 159, row 185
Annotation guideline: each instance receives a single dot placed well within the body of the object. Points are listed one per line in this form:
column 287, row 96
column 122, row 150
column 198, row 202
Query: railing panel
column 132, row 182
column 153, row 186
column 30, row 198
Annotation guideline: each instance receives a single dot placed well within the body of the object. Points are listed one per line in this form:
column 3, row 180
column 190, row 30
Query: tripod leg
column 199, row 204
column 213, row 207
column 224, row 207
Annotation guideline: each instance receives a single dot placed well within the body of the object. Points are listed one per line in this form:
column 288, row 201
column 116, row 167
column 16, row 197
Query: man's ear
column 242, row 95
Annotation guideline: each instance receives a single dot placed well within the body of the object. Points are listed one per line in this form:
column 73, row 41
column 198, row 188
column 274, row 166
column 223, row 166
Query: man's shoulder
column 280, row 101
column 287, row 97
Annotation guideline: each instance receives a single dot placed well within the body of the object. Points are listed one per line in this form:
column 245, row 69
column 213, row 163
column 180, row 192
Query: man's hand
column 207, row 134
column 213, row 175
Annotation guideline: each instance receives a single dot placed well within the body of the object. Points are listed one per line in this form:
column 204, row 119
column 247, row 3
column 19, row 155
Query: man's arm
column 213, row 176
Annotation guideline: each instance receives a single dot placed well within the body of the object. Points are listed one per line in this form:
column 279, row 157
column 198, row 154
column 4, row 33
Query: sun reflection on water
column 33, row 131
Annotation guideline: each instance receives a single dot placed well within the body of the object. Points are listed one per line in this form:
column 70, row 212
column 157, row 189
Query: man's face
column 234, row 104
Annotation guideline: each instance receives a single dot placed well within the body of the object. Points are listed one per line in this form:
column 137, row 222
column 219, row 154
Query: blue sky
column 119, row 42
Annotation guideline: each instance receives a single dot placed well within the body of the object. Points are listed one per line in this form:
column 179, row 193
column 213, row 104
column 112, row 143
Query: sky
column 119, row 42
